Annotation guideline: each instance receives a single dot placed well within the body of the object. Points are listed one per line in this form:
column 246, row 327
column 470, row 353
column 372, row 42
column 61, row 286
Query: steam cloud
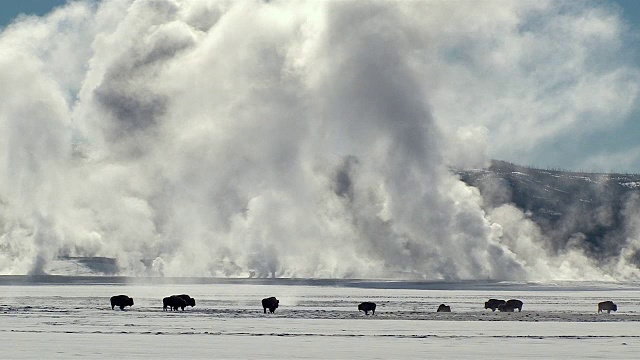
column 196, row 138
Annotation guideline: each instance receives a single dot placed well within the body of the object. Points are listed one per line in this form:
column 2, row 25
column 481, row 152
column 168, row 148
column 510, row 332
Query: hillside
column 588, row 208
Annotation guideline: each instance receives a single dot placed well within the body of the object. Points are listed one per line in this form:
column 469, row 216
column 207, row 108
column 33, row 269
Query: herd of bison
column 175, row 302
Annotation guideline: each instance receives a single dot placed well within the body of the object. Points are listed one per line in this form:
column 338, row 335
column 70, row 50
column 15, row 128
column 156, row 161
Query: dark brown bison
column 444, row 308
column 121, row 301
column 187, row 299
column 511, row 305
column 607, row 306
column 505, row 308
column 493, row 304
column 366, row 307
column 173, row 302
column 270, row 303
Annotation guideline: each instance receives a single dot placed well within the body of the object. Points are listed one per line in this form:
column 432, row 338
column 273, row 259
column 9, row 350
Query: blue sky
column 10, row 9
column 616, row 139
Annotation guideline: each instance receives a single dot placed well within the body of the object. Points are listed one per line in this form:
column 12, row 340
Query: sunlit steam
column 287, row 139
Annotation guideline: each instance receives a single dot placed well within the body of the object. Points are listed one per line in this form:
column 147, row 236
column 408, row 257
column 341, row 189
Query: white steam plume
column 195, row 138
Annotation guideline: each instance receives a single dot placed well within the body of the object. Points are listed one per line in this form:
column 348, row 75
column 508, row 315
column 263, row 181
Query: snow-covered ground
column 68, row 318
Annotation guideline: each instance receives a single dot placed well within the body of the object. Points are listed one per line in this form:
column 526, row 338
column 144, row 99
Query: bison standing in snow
column 493, row 304
column 607, row 306
column 187, row 299
column 121, row 301
column 366, row 307
column 511, row 305
column 270, row 303
column 444, row 308
column 173, row 302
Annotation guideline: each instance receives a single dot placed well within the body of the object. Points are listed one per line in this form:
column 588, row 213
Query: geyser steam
column 195, row 138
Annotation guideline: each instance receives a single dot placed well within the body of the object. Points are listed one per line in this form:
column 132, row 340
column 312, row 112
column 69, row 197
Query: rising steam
column 195, row 138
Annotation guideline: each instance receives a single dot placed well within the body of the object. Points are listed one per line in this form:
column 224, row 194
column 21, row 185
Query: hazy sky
column 615, row 147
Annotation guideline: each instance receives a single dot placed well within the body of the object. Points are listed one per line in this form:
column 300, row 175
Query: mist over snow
column 295, row 139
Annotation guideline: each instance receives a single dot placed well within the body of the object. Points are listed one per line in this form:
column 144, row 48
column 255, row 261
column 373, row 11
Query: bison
column 187, row 299
column 366, row 307
column 270, row 303
column 505, row 308
column 444, row 308
column 173, row 302
column 121, row 301
column 511, row 305
column 493, row 304
column 609, row 306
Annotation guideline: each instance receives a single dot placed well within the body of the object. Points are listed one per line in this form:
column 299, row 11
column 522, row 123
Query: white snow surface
column 72, row 318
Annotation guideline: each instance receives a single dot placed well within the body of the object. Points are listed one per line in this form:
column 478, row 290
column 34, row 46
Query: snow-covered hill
column 593, row 211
